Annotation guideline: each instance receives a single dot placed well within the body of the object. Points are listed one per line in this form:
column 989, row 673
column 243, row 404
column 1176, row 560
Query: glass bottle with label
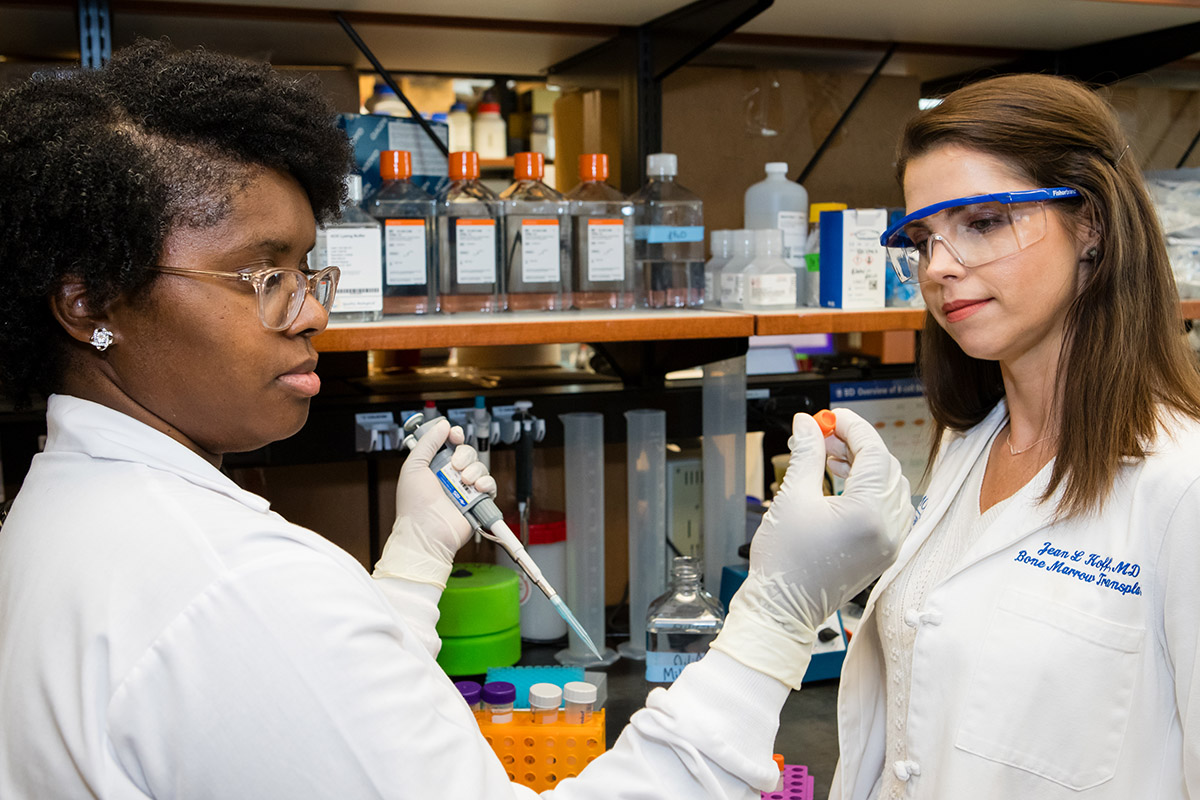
column 406, row 212
column 602, row 218
column 669, row 237
column 469, row 240
column 353, row 243
column 681, row 623
column 770, row 282
column 732, row 280
column 537, row 227
column 776, row 202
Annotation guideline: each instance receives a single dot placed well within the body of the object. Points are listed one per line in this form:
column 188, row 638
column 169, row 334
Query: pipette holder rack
column 539, row 756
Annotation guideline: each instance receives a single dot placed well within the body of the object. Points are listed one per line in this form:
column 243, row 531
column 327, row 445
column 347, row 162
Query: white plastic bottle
column 354, row 243
column 731, row 283
column 811, row 290
column 386, row 101
column 459, row 120
column 721, row 245
column 470, row 223
column 669, row 237
column 770, row 282
column 537, row 236
column 776, row 202
column 491, row 132
column 602, row 219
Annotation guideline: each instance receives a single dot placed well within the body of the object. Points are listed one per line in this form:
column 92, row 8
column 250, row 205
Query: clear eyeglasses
column 975, row 230
column 280, row 290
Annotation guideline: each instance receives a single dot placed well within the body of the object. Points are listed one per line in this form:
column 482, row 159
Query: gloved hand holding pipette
column 429, row 528
column 812, row 553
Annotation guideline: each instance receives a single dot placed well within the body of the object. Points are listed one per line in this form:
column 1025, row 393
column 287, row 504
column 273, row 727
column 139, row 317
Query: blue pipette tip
column 561, row 607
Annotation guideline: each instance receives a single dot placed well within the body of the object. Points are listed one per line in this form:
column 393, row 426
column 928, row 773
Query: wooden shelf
column 535, row 327
column 532, row 327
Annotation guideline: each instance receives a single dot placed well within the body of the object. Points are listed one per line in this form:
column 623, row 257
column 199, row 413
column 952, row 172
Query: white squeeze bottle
column 770, row 282
column 353, row 242
column 721, row 244
column 732, row 289
column 776, row 202
column 537, row 250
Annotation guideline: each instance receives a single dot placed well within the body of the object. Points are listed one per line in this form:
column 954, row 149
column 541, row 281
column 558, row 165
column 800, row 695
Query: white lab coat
column 166, row 635
column 1028, row 679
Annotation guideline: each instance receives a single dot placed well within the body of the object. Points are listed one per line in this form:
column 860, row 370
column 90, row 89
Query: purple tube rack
column 797, row 784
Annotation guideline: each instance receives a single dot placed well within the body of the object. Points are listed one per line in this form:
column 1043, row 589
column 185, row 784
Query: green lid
column 479, row 599
column 473, row 655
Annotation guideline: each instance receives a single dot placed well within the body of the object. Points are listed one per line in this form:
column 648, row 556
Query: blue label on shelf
column 665, row 234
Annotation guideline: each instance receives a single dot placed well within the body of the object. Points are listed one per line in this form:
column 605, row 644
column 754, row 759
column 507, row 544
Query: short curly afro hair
column 98, row 167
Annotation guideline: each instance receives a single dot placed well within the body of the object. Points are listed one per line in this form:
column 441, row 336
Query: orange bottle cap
column 464, row 165
column 827, row 420
column 778, row 761
column 395, row 165
column 593, row 167
column 529, row 166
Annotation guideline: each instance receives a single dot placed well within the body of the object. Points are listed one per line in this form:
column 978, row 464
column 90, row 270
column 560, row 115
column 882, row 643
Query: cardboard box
column 853, row 263
column 372, row 133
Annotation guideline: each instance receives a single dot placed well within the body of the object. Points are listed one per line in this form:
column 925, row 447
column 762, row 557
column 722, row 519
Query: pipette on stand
column 486, row 518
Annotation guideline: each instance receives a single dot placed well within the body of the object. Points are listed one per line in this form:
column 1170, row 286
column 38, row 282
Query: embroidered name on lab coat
column 1102, row 571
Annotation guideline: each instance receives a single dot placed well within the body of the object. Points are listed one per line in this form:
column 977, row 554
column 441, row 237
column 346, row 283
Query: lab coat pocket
column 1051, row 691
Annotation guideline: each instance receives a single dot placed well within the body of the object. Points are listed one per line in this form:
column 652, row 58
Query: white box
column 853, row 263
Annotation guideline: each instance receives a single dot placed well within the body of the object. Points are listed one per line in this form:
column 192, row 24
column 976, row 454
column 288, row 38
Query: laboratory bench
column 807, row 726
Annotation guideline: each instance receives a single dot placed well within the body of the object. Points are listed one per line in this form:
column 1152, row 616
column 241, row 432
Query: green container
column 480, row 619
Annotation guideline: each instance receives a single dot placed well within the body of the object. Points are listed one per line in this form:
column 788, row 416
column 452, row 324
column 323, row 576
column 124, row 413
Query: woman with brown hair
column 1037, row 635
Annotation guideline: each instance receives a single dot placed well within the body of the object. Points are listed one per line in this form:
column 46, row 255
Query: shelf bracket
column 1100, row 63
column 95, row 33
column 637, row 60
column 390, row 81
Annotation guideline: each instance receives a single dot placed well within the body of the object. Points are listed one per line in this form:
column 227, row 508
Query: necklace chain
column 1008, row 441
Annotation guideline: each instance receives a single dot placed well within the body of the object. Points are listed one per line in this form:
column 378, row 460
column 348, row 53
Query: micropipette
column 486, row 518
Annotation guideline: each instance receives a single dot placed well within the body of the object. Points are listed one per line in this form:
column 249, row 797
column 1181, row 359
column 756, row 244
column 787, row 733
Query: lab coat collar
column 75, row 425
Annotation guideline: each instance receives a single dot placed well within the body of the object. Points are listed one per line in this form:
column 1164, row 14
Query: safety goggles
column 281, row 290
column 975, row 230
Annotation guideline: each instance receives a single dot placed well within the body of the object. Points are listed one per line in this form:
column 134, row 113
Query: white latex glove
column 813, row 553
column 429, row 528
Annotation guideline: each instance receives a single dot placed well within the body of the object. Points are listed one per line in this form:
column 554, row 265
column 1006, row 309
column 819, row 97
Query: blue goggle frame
column 895, row 236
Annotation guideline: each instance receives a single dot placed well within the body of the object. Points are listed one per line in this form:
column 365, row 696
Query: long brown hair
column 1124, row 366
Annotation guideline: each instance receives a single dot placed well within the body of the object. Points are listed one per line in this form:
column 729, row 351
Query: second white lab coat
column 1056, row 660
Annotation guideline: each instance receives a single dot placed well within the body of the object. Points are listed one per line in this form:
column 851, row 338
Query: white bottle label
column 357, row 252
column 475, row 250
column 665, row 667
column 606, row 250
column 772, row 290
column 540, row 251
column 404, row 257
column 731, row 289
column 795, row 237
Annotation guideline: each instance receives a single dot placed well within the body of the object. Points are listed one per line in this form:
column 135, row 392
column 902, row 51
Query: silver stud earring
column 101, row 339
column 1093, row 253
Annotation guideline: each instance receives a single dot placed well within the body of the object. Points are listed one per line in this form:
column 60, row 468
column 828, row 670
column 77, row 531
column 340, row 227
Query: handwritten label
column 605, row 249
column 540, row 251
column 404, row 251
column 475, row 250
column 665, row 234
column 1097, row 569
column 665, row 667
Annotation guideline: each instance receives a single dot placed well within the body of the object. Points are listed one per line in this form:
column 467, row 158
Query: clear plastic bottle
column 406, row 212
column 770, row 282
column 470, row 226
column 811, row 290
column 490, row 132
column 544, row 701
column 537, row 226
column 602, row 221
column 669, row 237
column 459, row 120
column 776, row 202
column 681, row 623
column 498, row 699
column 732, row 280
column 721, row 245
column 354, row 243
column 579, row 702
